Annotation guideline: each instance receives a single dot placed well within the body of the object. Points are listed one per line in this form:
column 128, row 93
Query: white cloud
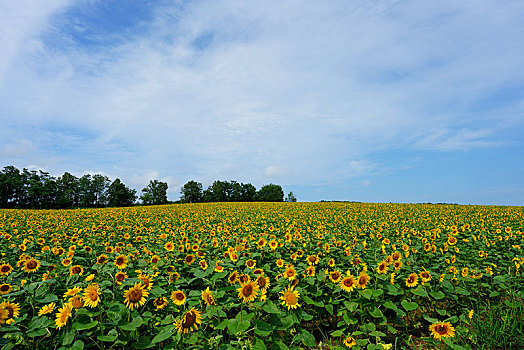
column 315, row 86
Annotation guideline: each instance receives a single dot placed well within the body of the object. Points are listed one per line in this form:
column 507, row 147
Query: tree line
column 232, row 191
column 31, row 189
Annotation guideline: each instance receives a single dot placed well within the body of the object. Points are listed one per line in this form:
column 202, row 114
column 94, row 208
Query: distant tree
column 291, row 197
column 86, row 194
column 67, row 191
column 191, row 192
column 100, row 185
column 248, row 192
column 270, row 193
column 155, row 193
column 119, row 195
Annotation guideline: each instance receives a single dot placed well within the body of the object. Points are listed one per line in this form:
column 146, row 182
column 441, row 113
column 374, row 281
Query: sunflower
column 412, row 280
column 290, row 297
column 147, row 280
column 335, row 276
column 233, row 277
column 203, row 264
column 250, row 263
column 262, row 282
column 382, row 268
column 92, row 295
column 258, row 271
column 397, row 264
column 310, row 271
column 46, row 309
column 290, row 273
column 312, row 260
column 331, row 262
column 120, row 277
column 273, row 245
column 363, row 280
column 76, row 302
column 76, row 270
column 189, row 322
column 62, row 316
column 101, row 259
column 135, row 296
column 243, row 278
column 280, row 262
column 248, row 291
column 470, row 314
column 13, row 311
column 425, row 276
column 207, row 297
column 155, row 259
column 72, row 291
column 169, row 246
column 121, row 261
column 4, row 314
column 66, row 261
column 441, row 330
column 348, row 283
column 160, row 303
column 31, row 265
column 5, row 288
column 5, row 269
column 178, row 297
column 350, row 342
column 189, row 259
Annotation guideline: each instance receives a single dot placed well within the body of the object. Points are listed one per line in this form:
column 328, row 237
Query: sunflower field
column 263, row 276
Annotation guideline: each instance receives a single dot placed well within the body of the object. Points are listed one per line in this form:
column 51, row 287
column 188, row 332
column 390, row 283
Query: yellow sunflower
column 135, row 296
column 290, row 297
column 5, row 269
column 62, row 316
column 5, row 288
column 101, row 259
column 76, row 270
column 160, row 303
column 233, row 277
column 207, row 297
column 382, row 268
column 363, row 280
column 178, row 297
column 121, row 261
column 248, row 291
column 189, row 322
column 72, row 291
column 13, row 311
column 349, row 342
column 441, row 330
column 92, row 295
column 412, row 280
column 31, row 265
column 262, row 282
column 46, row 309
column 120, row 277
column 76, row 301
column 348, row 283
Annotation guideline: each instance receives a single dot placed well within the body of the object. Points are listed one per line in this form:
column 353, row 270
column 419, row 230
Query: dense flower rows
column 278, row 275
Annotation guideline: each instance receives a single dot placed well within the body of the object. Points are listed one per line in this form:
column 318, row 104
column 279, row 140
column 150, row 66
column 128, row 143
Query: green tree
column 155, row 193
column 67, row 191
column 119, row 195
column 291, row 197
column 191, row 192
column 270, row 193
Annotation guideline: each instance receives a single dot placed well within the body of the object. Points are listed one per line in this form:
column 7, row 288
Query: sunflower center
column 76, row 270
column 247, row 290
column 348, row 282
column 261, row 282
column 135, row 295
column 119, row 261
column 93, row 295
column 31, row 264
column 179, row 296
column 189, row 320
column 4, row 287
column 362, row 280
column 441, row 329
column 5, row 268
column 291, row 299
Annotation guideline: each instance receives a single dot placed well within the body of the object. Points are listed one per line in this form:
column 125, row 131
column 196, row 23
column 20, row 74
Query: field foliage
column 263, row 275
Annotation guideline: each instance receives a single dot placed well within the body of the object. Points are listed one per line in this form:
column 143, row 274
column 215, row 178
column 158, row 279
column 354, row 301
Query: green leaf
column 259, row 344
column 68, row 338
column 352, row 306
column 306, row 338
column 441, row 312
column 376, row 313
column 164, row 334
column 329, row 308
column 262, row 328
column 337, row 333
column 78, row 345
column 287, row 322
column 409, row 306
column 271, row 308
column 169, row 319
column 110, row 337
column 420, row 291
column 367, row 293
column 143, row 343
column 83, row 326
column 281, row 345
column 377, row 334
column 437, row 294
column 430, row 319
column 133, row 325
column 461, row 291
column 390, row 305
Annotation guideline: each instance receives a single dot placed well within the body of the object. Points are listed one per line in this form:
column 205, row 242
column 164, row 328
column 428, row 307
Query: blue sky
column 377, row 101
